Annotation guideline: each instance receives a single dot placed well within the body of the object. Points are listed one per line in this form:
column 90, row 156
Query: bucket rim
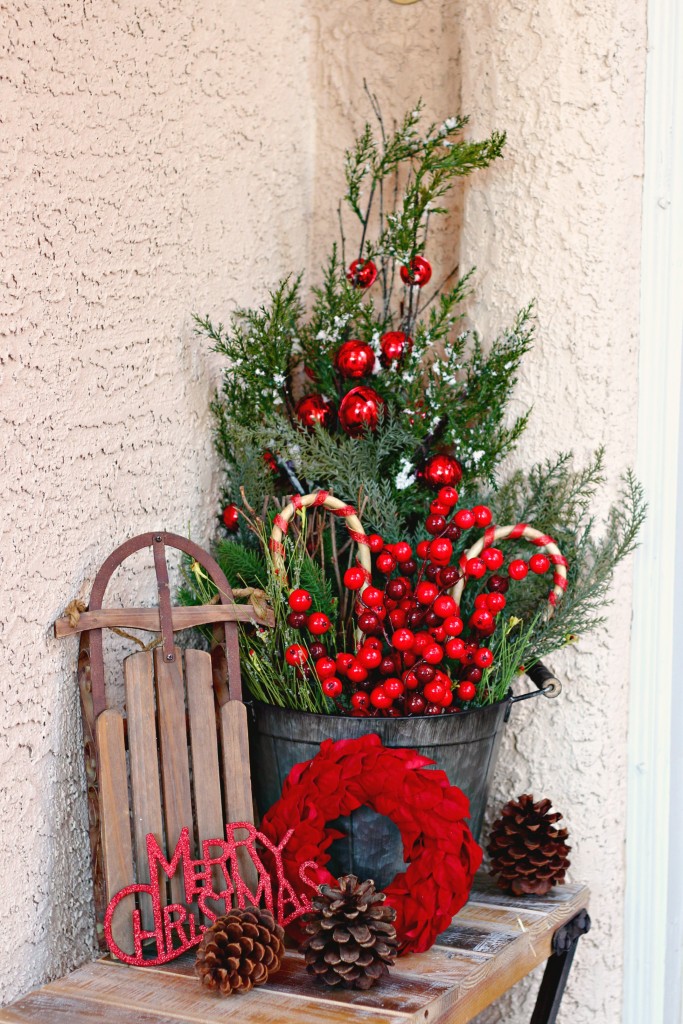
column 499, row 704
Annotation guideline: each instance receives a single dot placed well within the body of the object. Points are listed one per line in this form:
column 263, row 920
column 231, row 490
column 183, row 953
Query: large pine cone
column 352, row 941
column 240, row 950
column 528, row 854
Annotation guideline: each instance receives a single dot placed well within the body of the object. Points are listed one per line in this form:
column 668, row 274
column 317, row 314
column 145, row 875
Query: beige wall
column 179, row 156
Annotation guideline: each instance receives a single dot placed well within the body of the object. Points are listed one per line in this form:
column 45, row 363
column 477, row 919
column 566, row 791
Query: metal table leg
column 565, row 941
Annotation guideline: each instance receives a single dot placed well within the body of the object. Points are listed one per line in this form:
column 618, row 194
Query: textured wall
column 155, row 160
column 559, row 221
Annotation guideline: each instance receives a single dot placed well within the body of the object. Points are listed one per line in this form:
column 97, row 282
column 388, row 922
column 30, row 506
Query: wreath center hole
column 371, row 847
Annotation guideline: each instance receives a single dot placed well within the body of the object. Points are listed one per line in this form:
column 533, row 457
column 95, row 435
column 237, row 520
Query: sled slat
column 236, row 774
column 116, row 837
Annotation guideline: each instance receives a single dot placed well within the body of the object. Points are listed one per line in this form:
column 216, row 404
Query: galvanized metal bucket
column 465, row 746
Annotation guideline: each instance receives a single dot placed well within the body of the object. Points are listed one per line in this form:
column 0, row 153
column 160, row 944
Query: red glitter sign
column 176, row 928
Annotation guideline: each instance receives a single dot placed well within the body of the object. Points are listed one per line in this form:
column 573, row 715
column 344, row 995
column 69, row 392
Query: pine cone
column 528, row 854
column 352, row 940
column 240, row 950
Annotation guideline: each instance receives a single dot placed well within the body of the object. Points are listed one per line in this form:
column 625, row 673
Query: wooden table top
column 493, row 942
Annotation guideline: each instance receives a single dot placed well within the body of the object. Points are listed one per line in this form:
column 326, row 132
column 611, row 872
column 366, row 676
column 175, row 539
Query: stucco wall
column 163, row 158
column 155, row 160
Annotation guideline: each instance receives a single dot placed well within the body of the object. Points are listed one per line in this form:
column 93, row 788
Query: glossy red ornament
column 419, row 273
column 318, row 623
column 539, row 564
column 355, row 359
column 362, row 273
column 441, row 470
column 314, row 409
column 518, row 569
column 475, row 567
column 231, row 518
column 394, row 345
column 296, row 655
column 465, row 519
column 360, row 410
column 332, row 687
column 300, row 600
column 354, row 578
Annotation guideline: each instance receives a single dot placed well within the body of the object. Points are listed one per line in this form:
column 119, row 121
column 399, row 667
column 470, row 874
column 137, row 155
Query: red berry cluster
column 416, row 656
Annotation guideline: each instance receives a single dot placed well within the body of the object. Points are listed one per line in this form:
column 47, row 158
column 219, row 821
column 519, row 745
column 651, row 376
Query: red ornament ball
column 419, row 273
column 300, row 600
column 539, row 564
column 440, row 471
column 355, row 359
column 318, row 623
column 362, row 273
column 360, row 410
column 394, row 345
column 518, row 569
column 231, row 518
column 314, row 409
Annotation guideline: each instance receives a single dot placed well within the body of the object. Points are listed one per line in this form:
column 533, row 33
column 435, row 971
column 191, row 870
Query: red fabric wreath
column 438, row 847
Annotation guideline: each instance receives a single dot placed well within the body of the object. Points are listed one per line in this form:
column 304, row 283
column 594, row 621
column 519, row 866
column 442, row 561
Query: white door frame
column 654, row 849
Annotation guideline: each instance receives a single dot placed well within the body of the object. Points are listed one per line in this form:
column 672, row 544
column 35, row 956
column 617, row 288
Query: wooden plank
column 144, row 766
column 116, row 838
column 148, row 618
column 184, row 999
column 237, row 776
column 39, row 1007
column 175, row 765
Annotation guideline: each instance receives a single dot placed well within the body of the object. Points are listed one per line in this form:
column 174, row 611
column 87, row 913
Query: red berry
column 368, row 622
column 440, row 549
column 452, row 531
column 386, row 562
column 438, row 508
column 343, row 661
column 448, row 496
column 455, row 648
column 518, row 569
column 481, row 601
column 425, row 592
column 493, row 557
column 464, row 519
column 473, row 674
column 422, row 640
column 360, row 701
column 539, row 564
column 356, row 672
column 495, row 602
column 439, row 633
column 296, row 655
column 317, row 650
column 394, row 687
column 379, row 698
column 402, row 551
column 483, row 658
column 423, row 549
column 448, row 576
column 433, row 654
column 415, row 704
column 403, row 640
column 397, row 618
column 475, row 567
column 444, row 606
column 318, row 623
column 409, row 567
column 354, row 578
column 466, row 691
column 435, row 524
column 410, row 680
column 231, row 518
column 433, row 709
column 372, row 596
column 482, row 514
column 332, row 687
column 482, row 619
column 396, row 589
column 497, row 584
column 375, row 543
column 369, row 657
column 435, row 692
column 424, row 673
column 300, row 600
column 297, row 620
column 447, row 698
column 453, row 625
column 325, row 667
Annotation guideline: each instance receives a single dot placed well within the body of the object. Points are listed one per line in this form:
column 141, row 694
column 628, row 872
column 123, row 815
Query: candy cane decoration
column 520, row 530
column 321, row 499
